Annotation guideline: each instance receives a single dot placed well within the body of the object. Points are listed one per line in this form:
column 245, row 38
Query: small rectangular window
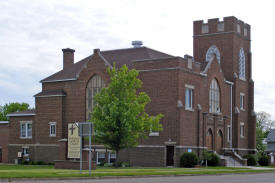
column 204, row 28
column 52, row 129
column 26, row 129
column 242, row 130
column 245, row 31
column 228, row 133
column 242, row 101
column 220, row 26
column 188, row 98
column 239, row 28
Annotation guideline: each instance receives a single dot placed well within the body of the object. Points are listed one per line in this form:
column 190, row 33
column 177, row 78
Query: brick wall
column 4, row 141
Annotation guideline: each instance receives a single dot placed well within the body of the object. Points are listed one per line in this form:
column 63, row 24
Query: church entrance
column 209, row 140
column 170, row 155
column 220, row 142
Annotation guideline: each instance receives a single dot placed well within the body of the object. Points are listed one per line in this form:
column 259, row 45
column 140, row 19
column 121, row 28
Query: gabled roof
column 120, row 56
column 30, row 112
column 271, row 136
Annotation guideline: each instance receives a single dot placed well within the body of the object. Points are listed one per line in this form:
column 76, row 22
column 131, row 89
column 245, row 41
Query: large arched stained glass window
column 214, row 97
column 95, row 84
column 242, row 64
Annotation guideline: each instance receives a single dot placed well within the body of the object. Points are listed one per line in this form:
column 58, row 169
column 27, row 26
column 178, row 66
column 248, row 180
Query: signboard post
column 85, row 129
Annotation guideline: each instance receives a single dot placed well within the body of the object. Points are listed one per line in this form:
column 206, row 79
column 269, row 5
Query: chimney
column 68, row 57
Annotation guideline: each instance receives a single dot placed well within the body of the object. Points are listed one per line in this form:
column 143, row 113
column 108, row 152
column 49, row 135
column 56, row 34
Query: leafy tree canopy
column 119, row 115
column 263, row 126
column 10, row 108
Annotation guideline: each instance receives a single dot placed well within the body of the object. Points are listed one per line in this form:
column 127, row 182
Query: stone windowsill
column 154, row 134
column 189, row 109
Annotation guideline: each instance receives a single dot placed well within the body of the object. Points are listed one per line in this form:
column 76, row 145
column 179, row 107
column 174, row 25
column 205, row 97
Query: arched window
column 213, row 50
column 242, row 64
column 214, row 97
column 95, row 84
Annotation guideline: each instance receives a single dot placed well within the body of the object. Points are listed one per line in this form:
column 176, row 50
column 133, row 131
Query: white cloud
column 32, row 34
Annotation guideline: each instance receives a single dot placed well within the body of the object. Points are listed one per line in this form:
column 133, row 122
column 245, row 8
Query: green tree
column 119, row 115
column 263, row 125
column 10, row 108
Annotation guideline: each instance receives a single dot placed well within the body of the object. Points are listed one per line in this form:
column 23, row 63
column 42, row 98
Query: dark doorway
column 170, row 156
column 0, row 155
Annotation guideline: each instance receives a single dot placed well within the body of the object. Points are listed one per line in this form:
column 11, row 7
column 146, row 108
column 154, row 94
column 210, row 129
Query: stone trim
column 23, row 114
column 36, row 145
column 190, row 147
column 4, row 122
column 50, row 96
column 157, row 146
column 59, row 80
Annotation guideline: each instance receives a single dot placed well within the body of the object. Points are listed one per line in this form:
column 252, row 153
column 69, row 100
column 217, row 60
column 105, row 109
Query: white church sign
column 73, row 141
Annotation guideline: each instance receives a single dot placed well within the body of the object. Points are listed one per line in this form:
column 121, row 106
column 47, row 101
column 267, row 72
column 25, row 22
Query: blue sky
column 32, row 34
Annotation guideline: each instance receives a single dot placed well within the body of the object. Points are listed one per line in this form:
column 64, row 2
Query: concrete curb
column 123, row 177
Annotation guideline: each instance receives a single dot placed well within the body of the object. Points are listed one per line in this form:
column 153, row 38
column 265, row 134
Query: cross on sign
column 72, row 129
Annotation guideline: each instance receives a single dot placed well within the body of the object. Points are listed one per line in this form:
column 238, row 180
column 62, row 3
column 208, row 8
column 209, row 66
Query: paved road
column 237, row 178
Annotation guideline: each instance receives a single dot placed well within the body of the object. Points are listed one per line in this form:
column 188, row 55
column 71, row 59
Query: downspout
column 231, row 116
column 231, row 121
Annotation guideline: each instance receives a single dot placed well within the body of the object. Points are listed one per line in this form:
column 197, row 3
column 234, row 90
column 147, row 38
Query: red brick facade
column 165, row 79
column 4, row 141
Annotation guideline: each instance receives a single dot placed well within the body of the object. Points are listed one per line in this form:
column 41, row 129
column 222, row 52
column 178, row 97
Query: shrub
column 24, row 162
column 263, row 160
column 188, row 159
column 212, row 159
column 40, row 163
column 251, row 159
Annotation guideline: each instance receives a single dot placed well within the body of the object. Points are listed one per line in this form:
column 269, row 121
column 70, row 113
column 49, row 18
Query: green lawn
column 36, row 171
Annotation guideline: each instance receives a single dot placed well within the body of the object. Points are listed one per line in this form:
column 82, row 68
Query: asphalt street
column 233, row 178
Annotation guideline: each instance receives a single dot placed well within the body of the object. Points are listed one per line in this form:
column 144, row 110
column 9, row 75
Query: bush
column 212, row 159
column 40, row 163
column 188, row 159
column 121, row 164
column 251, row 159
column 263, row 160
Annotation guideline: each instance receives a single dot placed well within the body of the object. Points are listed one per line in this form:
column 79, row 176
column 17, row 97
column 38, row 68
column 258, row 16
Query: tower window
column 214, row 97
column 245, row 31
column 189, row 97
column 242, row 101
column 239, row 28
column 204, row 28
column 242, row 130
column 242, row 64
column 220, row 26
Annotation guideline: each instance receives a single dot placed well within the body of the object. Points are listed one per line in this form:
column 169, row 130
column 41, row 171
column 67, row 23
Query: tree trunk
column 117, row 162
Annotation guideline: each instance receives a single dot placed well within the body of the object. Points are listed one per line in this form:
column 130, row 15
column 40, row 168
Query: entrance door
column 170, row 156
column 219, row 142
column 209, row 140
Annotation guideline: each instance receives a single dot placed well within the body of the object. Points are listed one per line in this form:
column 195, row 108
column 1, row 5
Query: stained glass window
column 95, row 84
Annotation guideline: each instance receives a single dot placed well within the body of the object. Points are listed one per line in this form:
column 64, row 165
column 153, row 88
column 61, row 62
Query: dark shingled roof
column 30, row 112
column 271, row 136
column 120, row 56
column 51, row 93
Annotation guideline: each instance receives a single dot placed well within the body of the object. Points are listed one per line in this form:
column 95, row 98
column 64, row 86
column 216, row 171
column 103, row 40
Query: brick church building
column 207, row 100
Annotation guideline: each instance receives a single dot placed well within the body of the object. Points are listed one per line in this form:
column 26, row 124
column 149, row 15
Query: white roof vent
column 137, row 44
